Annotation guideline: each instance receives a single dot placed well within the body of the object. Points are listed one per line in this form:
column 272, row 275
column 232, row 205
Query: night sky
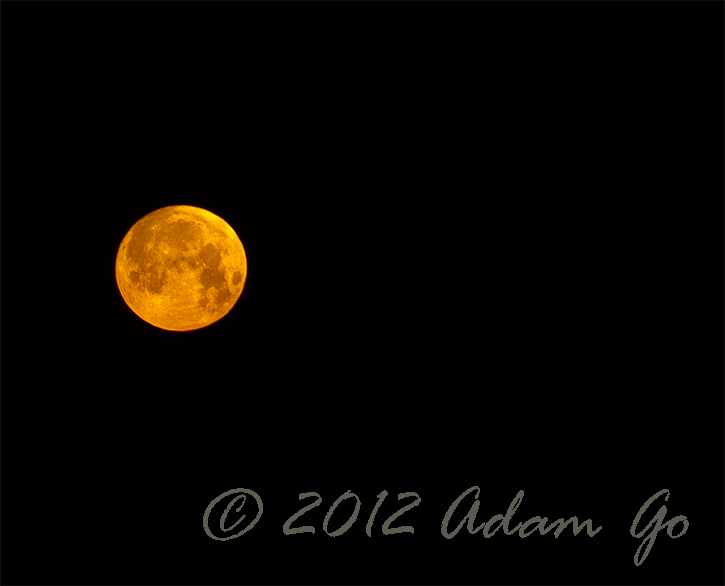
column 481, row 251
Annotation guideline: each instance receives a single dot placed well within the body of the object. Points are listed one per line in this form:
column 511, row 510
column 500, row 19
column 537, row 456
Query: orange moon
column 181, row 268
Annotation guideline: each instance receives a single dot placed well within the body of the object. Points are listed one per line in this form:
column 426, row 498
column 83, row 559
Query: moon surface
column 181, row 268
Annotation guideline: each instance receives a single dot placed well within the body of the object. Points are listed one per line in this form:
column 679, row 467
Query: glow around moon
column 181, row 268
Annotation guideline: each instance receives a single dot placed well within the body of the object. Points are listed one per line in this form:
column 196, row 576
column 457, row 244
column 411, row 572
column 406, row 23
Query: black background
column 482, row 252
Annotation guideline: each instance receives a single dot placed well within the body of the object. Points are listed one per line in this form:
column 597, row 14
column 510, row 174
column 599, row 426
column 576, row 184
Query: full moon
column 181, row 268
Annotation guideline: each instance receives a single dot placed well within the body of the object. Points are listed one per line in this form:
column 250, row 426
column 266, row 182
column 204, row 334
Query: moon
column 181, row 268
